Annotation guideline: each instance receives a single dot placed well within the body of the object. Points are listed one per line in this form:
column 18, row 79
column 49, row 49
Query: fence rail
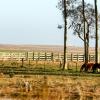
column 43, row 56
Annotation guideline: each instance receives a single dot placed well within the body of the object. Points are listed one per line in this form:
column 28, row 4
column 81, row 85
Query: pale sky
column 33, row 22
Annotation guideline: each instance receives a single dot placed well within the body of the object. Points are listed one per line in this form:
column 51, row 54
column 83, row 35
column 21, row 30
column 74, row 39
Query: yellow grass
column 50, row 87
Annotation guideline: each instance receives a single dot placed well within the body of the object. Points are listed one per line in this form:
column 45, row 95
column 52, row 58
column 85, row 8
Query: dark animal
column 82, row 69
column 86, row 67
column 95, row 67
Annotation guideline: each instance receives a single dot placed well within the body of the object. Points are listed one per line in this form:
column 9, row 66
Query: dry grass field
column 47, row 87
column 44, row 87
column 50, row 48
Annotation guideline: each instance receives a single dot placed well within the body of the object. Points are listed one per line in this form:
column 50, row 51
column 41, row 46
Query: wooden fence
column 58, row 57
column 45, row 56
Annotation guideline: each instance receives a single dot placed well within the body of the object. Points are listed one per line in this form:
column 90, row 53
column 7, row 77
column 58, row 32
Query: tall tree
column 96, row 32
column 65, row 33
column 82, row 18
column 64, row 5
column 84, row 31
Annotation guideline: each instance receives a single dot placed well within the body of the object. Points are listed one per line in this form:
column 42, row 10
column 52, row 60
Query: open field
column 36, row 67
column 45, row 87
column 43, row 68
column 43, row 52
column 45, row 80
column 50, row 48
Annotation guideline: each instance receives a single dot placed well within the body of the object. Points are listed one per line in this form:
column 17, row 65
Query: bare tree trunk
column 85, row 44
column 96, row 32
column 65, row 34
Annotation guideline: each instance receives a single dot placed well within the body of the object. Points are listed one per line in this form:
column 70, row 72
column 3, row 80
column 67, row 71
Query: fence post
column 38, row 56
column 52, row 56
column 22, row 62
column 71, row 57
column 33, row 56
column 77, row 57
column 45, row 56
column 26, row 56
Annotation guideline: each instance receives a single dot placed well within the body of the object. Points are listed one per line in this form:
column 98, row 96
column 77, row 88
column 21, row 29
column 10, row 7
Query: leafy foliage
column 74, row 12
column 69, row 5
column 77, row 21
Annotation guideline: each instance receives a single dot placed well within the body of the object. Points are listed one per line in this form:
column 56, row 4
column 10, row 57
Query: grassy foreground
column 46, row 81
column 50, row 87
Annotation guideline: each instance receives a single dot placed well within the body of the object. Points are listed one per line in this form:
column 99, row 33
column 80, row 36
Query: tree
column 96, row 32
column 65, row 33
column 82, row 22
column 63, row 5
column 84, row 32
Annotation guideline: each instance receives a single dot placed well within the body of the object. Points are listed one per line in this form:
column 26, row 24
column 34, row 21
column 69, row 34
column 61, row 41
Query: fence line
column 45, row 56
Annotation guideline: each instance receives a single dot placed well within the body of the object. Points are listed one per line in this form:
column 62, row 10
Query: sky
column 33, row 22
